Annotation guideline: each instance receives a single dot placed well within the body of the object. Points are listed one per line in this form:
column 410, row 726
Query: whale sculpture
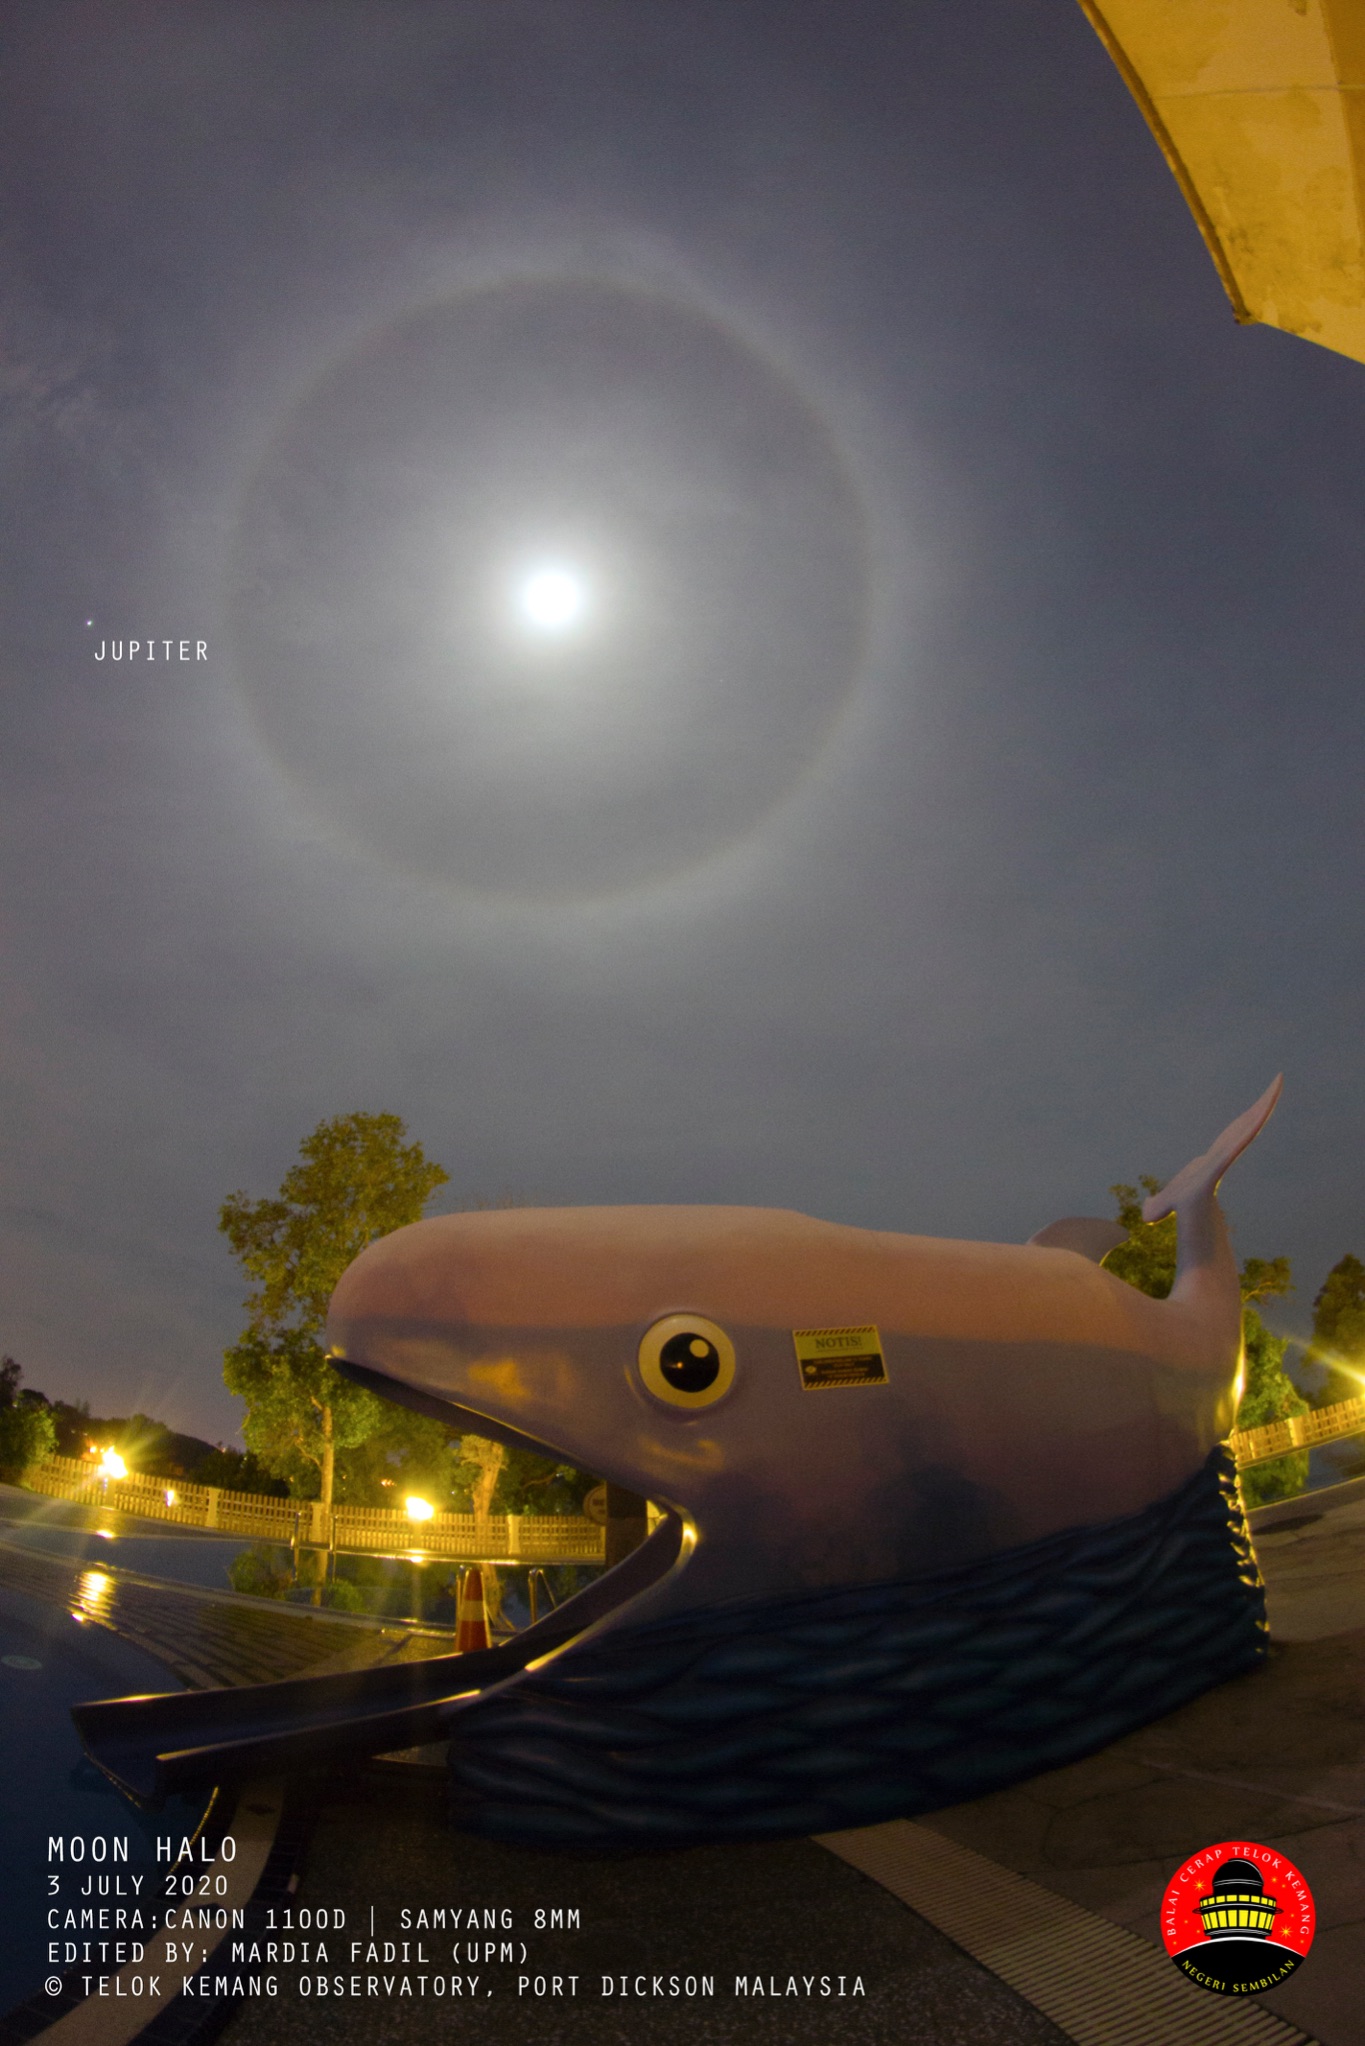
column 929, row 1516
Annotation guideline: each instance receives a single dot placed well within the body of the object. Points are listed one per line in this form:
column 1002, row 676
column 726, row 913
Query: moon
column 549, row 591
column 552, row 599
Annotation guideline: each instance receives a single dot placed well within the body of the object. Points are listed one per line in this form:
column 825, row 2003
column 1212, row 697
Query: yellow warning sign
column 839, row 1356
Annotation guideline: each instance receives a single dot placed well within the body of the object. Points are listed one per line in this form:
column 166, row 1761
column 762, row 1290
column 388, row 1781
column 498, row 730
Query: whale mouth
column 154, row 1747
column 664, row 1548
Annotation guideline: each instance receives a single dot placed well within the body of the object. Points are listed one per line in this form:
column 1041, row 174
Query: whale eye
column 687, row 1361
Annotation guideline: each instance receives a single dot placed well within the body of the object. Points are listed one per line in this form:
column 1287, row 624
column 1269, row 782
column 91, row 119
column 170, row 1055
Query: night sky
column 945, row 796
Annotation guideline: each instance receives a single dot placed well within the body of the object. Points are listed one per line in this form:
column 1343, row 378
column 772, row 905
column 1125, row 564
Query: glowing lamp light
column 112, row 1465
column 170, row 1496
column 419, row 1509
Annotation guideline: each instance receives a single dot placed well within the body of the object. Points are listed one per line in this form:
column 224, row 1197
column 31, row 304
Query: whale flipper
column 1090, row 1235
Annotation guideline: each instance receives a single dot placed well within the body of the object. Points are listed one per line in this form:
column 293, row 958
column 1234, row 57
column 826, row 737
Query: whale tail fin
column 1197, row 1182
column 1190, row 1196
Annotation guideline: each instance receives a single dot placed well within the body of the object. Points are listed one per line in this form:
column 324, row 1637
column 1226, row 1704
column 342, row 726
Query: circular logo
column 1237, row 1918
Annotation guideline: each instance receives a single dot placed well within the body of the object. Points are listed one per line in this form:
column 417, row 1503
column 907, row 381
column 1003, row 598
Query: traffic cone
column 471, row 1615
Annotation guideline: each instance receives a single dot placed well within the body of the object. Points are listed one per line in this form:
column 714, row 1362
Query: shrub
column 257, row 1572
column 343, row 1596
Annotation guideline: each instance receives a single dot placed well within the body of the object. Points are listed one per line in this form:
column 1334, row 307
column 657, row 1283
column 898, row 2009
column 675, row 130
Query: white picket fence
column 492, row 1538
column 1300, row 1431
column 350, row 1530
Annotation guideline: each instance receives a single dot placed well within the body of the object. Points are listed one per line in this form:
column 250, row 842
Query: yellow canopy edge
column 1259, row 106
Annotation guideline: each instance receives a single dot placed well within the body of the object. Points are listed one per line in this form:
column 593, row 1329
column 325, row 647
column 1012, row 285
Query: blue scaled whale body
column 931, row 1516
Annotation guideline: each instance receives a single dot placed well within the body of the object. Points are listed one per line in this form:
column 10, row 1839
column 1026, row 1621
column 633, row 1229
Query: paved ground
column 1278, row 1757
column 772, row 1912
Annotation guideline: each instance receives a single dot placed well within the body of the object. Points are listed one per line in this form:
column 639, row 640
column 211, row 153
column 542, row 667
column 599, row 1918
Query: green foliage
column 356, row 1180
column 1148, row 1260
column 74, row 1426
column 28, row 1433
column 146, row 1445
column 1265, row 1278
column 1338, row 1343
column 406, row 1453
column 344, row 1597
column 535, row 1484
column 375, row 1585
column 259, row 1573
column 514, row 1480
column 1269, row 1396
column 298, row 1407
column 238, row 1471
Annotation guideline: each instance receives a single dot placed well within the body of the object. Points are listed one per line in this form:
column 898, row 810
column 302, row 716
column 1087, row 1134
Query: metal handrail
column 353, row 1530
column 538, row 1578
column 535, row 1538
column 1298, row 1431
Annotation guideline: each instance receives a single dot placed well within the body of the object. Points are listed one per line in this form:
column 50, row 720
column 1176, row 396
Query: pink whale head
column 1016, row 1389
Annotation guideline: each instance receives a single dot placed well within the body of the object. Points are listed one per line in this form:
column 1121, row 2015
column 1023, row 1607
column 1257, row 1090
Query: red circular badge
column 1237, row 1918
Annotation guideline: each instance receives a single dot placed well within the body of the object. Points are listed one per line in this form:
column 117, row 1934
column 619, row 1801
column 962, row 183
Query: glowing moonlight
column 552, row 599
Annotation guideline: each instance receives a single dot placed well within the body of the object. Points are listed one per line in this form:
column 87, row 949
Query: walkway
column 1033, row 1914
column 1277, row 1757
column 1080, row 1856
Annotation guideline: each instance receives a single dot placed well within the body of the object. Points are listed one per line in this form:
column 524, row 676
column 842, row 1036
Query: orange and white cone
column 471, row 1617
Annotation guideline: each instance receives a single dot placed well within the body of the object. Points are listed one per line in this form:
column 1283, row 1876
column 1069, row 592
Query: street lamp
column 418, row 1510
column 111, row 1465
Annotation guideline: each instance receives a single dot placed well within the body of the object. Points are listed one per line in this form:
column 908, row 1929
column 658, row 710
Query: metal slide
column 153, row 1747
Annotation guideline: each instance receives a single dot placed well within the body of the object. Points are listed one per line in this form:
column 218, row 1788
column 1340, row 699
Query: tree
column 237, row 1471
column 1148, row 1260
column 407, row 1453
column 28, row 1432
column 1269, row 1395
column 1338, row 1343
column 356, row 1179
